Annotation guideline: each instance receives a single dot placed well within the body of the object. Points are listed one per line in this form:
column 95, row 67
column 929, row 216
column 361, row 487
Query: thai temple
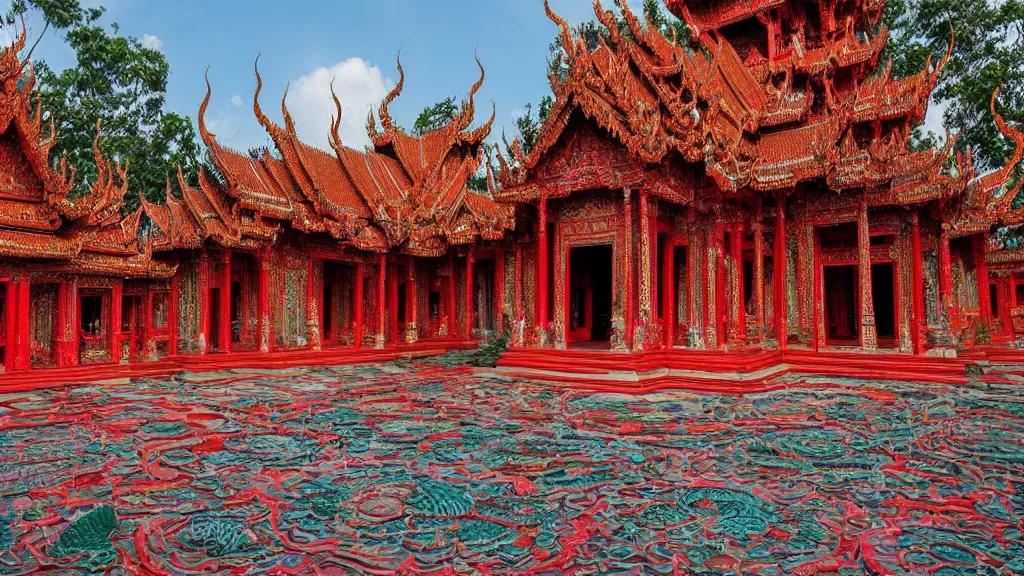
column 752, row 189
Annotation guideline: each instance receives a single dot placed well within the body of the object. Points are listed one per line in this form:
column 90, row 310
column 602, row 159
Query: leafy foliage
column 486, row 356
column 528, row 125
column 124, row 84
column 988, row 54
column 436, row 116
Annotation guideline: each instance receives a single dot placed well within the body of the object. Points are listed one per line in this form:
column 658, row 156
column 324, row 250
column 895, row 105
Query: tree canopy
column 121, row 82
column 988, row 54
column 436, row 116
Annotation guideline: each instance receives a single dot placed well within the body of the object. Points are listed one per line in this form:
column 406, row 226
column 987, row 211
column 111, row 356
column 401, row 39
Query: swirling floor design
column 409, row 469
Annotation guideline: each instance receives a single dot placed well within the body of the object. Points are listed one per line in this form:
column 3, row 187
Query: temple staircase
column 735, row 371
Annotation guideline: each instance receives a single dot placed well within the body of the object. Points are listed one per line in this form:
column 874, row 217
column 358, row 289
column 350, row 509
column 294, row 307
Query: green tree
column 124, row 84
column 988, row 54
column 436, row 116
column 528, row 125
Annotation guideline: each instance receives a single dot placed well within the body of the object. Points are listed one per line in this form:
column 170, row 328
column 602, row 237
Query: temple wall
column 370, row 302
column 461, row 317
column 424, row 285
column 696, row 258
column 904, row 249
column 509, row 289
column 530, row 287
column 289, row 271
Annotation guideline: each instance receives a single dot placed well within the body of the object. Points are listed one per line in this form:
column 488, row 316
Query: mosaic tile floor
column 401, row 469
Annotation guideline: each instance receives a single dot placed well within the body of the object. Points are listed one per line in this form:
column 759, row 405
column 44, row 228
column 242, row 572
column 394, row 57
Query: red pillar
column 1006, row 295
column 147, row 320
column 62, row 340
column 11, row 325
column 740, row 304
column 263, row 303
column 224, row 338
column 204, row 302
column 721, row 313
column 116, row 300
column 563, row 343
column 22, row 337
column 451, row 311
column 630, row 272
column 799, row 277
column 981, row 270
column 758, row 230
column 393, row 302
column 381, row 300
column 645, row 302
column 470, row 308
column 868, row 331
column 668, row 286
column 947, row 297
column 542, row 267
column 705, row 287
column 779, row 279
column 172, row 318
column 357, row 307
column 411, row 321
column 517, row 283
column 817, row 294
column 499, row 291
column 917, row 314
column 314, row 288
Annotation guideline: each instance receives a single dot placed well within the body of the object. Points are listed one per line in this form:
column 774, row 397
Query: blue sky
column 309, row 42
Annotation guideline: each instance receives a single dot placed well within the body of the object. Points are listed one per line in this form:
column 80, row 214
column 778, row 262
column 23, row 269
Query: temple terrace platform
column 734, row 371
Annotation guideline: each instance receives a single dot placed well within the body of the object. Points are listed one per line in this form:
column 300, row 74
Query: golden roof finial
column 208, row 137
column 386, row 122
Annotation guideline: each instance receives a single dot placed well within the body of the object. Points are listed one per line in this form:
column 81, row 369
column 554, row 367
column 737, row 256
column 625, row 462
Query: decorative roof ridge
column 386, row 121
column 104, row 198
column 997, row 180
column 374, row 201
column 28, row 122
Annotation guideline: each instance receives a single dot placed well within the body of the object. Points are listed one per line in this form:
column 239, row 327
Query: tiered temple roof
column 752, row 128
column 408, row 193
column 41, row 220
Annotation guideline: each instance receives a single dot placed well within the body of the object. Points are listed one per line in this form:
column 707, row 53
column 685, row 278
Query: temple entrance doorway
column 132, row 328
column 94, row 320
column 337, row 304
column 484, row 288
column 883, row 294
column 590, row 295
column 42, row 325
column 681, row 290
column 244, row 286
column 841, row 305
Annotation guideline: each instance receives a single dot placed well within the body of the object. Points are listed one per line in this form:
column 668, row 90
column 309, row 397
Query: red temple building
column 753, row 189
column 757, row 189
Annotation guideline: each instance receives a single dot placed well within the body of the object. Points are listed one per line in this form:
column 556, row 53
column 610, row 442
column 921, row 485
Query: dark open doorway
column 841, row 305
column 590, row 296
column 214, row 334
column 483, row 283
column 883, row 294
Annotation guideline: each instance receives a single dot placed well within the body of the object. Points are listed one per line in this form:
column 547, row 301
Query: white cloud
column 358, row 85
column 518, row 113
column 237, row 101
column 152, row 42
